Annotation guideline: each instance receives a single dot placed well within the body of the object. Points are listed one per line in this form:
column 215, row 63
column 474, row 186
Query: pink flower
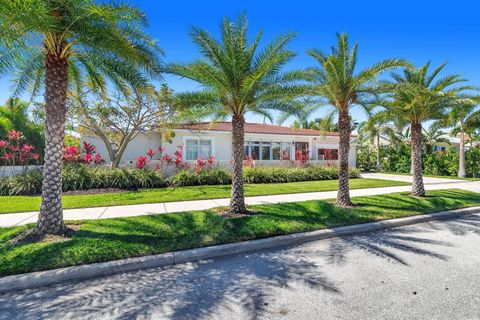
column 141, row 162
column 15, row 135
column 71, row 153
column 180, row 147
column 88, row 158
column 88, row 148
column 3, row 144
column 160, row 149
column 99, row 159
column 8, row 156
column 211, row 160
column 200, row 164
column 167, row 158
column 26, row 148
column 151, row 153
column 35, row 156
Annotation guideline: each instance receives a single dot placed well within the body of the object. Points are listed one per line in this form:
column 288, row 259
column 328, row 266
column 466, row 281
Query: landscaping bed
column 12, row 204
column 111, row 239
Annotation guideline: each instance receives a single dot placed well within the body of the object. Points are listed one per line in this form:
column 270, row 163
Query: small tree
column 118, row 120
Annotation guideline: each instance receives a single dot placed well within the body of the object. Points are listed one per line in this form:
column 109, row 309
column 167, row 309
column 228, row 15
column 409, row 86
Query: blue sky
column 417, row 30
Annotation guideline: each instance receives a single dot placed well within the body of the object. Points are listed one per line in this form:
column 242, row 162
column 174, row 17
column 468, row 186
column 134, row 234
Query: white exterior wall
column 221, row 145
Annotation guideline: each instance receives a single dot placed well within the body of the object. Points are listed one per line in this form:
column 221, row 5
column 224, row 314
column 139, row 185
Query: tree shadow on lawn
column 244, row 283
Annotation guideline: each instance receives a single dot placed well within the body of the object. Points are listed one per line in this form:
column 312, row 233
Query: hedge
column 83, row 177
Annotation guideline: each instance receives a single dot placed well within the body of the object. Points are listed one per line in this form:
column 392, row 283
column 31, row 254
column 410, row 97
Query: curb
column 89, row 271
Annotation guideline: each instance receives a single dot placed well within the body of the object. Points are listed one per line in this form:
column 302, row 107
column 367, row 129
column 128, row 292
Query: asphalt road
column 426, row 271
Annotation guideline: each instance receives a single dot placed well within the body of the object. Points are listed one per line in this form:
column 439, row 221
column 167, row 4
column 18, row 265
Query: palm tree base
column 344, row 204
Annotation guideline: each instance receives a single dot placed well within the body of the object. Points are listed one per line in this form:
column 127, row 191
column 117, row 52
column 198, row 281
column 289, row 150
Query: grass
column 26, row 203
column 433, row 176
column 110, row 239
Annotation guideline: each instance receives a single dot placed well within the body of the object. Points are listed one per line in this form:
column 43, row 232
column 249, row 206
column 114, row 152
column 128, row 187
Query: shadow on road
column 242, row 283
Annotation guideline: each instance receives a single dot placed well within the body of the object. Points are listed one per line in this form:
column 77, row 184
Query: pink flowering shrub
column 87, row 155
column 15, row 151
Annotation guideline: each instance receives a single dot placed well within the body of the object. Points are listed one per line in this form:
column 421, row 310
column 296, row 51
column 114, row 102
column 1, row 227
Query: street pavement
column 424, row 271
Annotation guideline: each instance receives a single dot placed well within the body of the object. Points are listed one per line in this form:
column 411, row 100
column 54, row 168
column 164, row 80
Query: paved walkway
column 15, row 219
column 403, row 178
column 424, row 271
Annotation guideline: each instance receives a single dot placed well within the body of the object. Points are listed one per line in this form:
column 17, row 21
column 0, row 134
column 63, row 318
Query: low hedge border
column 82, row 177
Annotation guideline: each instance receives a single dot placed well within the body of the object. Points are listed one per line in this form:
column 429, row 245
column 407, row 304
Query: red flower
column 200, row 164
column 211, row 160
column 88, row 158
column 8, row 156
column 99, row 159
column 160, row 149
column 3, row 144
column 167, row 158
column 35, row 156
column 141, row 162
column 88, row 148
column 15, row 135
column 151, row 153
column 26, row 148
column 71, row 153
column 180, row 147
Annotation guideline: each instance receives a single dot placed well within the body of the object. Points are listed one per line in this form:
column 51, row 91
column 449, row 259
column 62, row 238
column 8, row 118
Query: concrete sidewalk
column 408, row 178
column 16, row 219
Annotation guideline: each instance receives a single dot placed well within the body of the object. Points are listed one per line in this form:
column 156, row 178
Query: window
column 255, row 150
column 327, row 154
column 276, row 148
column 286, row 150
column 198, row 148
column 265, row 154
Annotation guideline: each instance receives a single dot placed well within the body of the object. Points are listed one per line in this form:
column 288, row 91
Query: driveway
column 403, row 178
column 426, row 271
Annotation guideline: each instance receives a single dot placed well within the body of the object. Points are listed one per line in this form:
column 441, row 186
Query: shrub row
column 83, row 177
column 293, row 174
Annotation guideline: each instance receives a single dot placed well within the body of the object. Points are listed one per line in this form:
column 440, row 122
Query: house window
column 327, row 154
column 265, row 154
column 198, row 148
column 286, row 150
column 255, row 150
column 276, row 150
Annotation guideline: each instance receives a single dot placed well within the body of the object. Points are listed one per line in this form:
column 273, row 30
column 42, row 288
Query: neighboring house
column 266, row 144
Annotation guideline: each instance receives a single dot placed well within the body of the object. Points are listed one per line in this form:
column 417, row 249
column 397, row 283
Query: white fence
column 8, row 171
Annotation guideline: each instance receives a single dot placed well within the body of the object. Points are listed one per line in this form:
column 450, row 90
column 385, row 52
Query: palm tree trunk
column 461, row 157
column 343, row 196
column 237, row 200
column 379, row 166
column 50, row 219
column 418, row 189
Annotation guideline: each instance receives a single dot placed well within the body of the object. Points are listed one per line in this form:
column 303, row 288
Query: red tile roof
column 256, row 128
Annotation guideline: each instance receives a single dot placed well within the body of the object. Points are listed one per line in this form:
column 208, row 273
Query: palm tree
column 416, row 97
column 53, row 44
column 463, row 118
column 236, row 78
column 337, row 83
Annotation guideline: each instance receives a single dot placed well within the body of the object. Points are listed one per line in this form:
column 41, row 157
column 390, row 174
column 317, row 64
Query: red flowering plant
column 248, row 162
column 302, row 157
column 141, row 162
column 87, row 155
column 15, row 151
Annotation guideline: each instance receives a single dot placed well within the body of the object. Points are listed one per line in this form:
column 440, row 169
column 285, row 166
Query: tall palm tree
column 464, row 118
column 53, row 44
column 432, row 136
column 337, row 83
column 416, row 97
column 236, row 78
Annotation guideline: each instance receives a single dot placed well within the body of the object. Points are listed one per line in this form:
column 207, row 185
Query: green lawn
column 23, row 204
column 110, row 239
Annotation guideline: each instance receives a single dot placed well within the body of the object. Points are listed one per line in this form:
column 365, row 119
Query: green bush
column 213, row 176
column 82, row 177
column 293, row 174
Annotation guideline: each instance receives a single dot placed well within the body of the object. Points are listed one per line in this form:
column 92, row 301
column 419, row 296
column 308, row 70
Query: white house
column 266, row 144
